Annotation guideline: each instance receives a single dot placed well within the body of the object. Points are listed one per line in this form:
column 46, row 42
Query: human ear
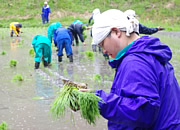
column 117, row 31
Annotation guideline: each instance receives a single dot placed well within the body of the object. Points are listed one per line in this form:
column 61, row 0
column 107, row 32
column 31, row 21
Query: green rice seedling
column 97, row 77
column 70, row 96
column 3, row 53
column 89, row 54
column 3, row 126
column 31, row 52
column 13, row 63
column 84, row 36
column 18, row 77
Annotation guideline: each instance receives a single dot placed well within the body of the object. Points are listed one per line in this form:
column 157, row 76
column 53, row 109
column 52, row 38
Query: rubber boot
column 37, row 65
column 60, row 58
column 11, row 34
column 45, row 63
column 70, row 58
column 94, row 48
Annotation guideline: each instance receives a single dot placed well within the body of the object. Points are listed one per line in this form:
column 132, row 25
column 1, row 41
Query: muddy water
column 25, row 105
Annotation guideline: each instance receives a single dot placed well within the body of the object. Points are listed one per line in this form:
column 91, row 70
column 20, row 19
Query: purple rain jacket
column 145, row 93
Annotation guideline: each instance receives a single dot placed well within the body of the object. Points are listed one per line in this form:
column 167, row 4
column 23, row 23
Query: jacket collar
column 114, row 63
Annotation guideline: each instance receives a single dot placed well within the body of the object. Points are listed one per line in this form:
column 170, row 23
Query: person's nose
column 104, row 51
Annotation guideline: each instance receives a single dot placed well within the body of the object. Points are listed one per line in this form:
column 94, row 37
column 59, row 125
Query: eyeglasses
column 101, row 44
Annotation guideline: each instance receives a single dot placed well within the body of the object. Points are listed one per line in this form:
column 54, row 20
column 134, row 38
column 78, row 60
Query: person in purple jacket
column 145, row 94
column 63, row 39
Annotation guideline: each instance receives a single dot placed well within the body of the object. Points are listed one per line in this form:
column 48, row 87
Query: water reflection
column 43, row 89
column 14, row 43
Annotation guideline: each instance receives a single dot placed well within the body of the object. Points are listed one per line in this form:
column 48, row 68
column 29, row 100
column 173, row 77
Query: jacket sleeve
column 145, row 30
column 15, row 30
column 42, row 10
column 50, row 33
column 70, row 35
column 34, row 41
column 134, row 97
column 90, row 19
column 54, row 37
column 49, row 10
column 79, row 32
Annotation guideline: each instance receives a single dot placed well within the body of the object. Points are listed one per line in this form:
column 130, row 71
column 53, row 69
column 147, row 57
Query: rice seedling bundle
column 13, row 63
column 3, row 126
column 97, row 77
column 3, row 52
column 18, row 77
column 71, row 97
column 89, row 54
column 31, row 52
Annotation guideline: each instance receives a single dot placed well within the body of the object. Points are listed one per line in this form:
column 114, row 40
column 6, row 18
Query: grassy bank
column 151, row 13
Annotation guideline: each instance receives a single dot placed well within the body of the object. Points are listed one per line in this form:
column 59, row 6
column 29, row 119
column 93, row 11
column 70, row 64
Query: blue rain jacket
column 76, row 29
column 63, row 39
column 51, row 29
column 145, row 93
column 45, row 13
column 62, row 33
column 145, row 30
column 42, row 47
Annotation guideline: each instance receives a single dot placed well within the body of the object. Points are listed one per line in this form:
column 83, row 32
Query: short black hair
column 19, row 25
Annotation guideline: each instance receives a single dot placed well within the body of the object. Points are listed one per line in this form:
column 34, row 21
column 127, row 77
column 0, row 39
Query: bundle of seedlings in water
column 13, row 63
column 31, row 52
column 89, row 54
column 3, row 52
column 97, row 78
column 71, row 97
column 3, row 126
column 18, row 77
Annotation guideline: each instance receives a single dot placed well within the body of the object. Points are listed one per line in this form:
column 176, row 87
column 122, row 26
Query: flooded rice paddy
column 25, row 105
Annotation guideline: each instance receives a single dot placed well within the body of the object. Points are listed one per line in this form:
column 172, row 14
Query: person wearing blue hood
column 76, row 29
column 77, row 21
column 63, row 39
column 42, row 49
column 145, row 94
column 51, row 28
column 45, row 13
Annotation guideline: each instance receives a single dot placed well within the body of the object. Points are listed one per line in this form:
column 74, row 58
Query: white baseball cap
column 45, row 3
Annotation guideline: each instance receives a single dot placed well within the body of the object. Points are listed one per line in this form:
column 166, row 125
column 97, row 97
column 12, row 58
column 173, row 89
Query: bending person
column 143, row 29
column 15, row 27
column 42, row 49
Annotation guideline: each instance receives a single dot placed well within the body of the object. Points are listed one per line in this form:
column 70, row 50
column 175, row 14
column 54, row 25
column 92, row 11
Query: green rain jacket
column 42, row 47
column 51, row 29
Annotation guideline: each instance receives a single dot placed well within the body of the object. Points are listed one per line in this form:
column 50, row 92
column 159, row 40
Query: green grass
column 161, row 13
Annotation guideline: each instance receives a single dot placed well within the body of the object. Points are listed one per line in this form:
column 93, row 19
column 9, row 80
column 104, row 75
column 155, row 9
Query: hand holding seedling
column 160, row 28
